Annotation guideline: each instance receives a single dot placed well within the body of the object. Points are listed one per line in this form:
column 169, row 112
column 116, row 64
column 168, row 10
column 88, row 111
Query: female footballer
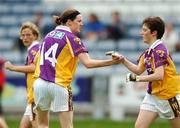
column 56, row 66
column 30, row 35
column 163, row 95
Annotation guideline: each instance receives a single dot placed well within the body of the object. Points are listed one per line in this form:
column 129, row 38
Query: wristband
column 132, row 77
column 137, row 78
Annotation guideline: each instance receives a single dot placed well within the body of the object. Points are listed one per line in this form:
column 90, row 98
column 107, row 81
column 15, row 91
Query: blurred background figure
column 2, row 83
column 49, row 26
column 94, row 29
column 116, row 29
column 170, row 37
column 38, row 19
column 18, row 46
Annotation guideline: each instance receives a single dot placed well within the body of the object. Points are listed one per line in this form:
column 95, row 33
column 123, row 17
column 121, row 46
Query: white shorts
column 164, row 108
column 29, row 112
column 50, row 96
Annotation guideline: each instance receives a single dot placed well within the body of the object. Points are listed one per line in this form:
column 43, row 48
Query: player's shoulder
column 161, row 50
column 34, row 48
column 36, row 45
column 161, row 47
column 70, row 34
column 74, row 38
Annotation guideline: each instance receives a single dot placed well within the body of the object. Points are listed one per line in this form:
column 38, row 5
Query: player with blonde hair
column 30, row 36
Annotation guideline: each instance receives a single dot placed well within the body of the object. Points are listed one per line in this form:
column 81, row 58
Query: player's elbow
column 88, row 65
column 160, row 77
column 32, row 68
column 137, row 72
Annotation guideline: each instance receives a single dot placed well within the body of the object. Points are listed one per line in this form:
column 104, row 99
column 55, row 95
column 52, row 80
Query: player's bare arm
column 137, row 69
column 115, row 55
column 112, row 53
column 156, row 76
column 24, row 68
column 93, row 63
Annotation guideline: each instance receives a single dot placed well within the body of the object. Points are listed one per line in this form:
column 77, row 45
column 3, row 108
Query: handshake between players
column 115, row 55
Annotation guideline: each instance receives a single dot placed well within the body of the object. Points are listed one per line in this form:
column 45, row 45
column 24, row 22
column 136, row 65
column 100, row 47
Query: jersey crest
column 160, row 53
column 77, row 40
column 33, row 52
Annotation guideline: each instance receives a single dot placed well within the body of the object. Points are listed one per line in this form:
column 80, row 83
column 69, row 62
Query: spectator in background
column 116, row 29
column 38, row 20
column 18, row 45
column 30, row 36
column 2, row 83
column 170, row 37
column 49, row 26
column 94, row 29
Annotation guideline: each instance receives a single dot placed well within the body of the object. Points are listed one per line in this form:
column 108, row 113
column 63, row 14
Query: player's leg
column 175, row 107
column 26, row 119
column 42, row 102
column 175, row 123
column 145, row 119
column 34, row 123
column 66, row 119
column 33, row 117
column 148, row 112
column 62, row 104
column 3, row 123
column 25, row 122
column 42, row 118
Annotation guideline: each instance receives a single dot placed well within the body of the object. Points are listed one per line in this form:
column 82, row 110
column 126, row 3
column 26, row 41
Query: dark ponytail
column 57, row 20
column 67, row 14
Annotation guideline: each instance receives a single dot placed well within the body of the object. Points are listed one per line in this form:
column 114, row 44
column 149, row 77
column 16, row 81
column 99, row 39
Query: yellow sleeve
column 141, row 63
column 36, row 58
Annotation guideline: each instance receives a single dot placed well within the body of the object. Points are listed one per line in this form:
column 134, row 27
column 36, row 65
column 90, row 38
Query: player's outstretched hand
column 115, row 56
column 112, row 53
column 8, row 65
column 132, row 77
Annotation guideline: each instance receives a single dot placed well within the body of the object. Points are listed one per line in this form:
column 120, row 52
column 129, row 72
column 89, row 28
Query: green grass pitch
column 90, row 123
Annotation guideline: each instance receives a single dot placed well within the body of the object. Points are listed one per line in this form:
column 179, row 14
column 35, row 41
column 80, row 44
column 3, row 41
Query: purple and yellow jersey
column 153, row 58
column 32, row 51
column 59, row 56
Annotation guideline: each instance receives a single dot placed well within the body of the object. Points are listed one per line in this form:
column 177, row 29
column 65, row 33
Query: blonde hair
column 32, row 27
